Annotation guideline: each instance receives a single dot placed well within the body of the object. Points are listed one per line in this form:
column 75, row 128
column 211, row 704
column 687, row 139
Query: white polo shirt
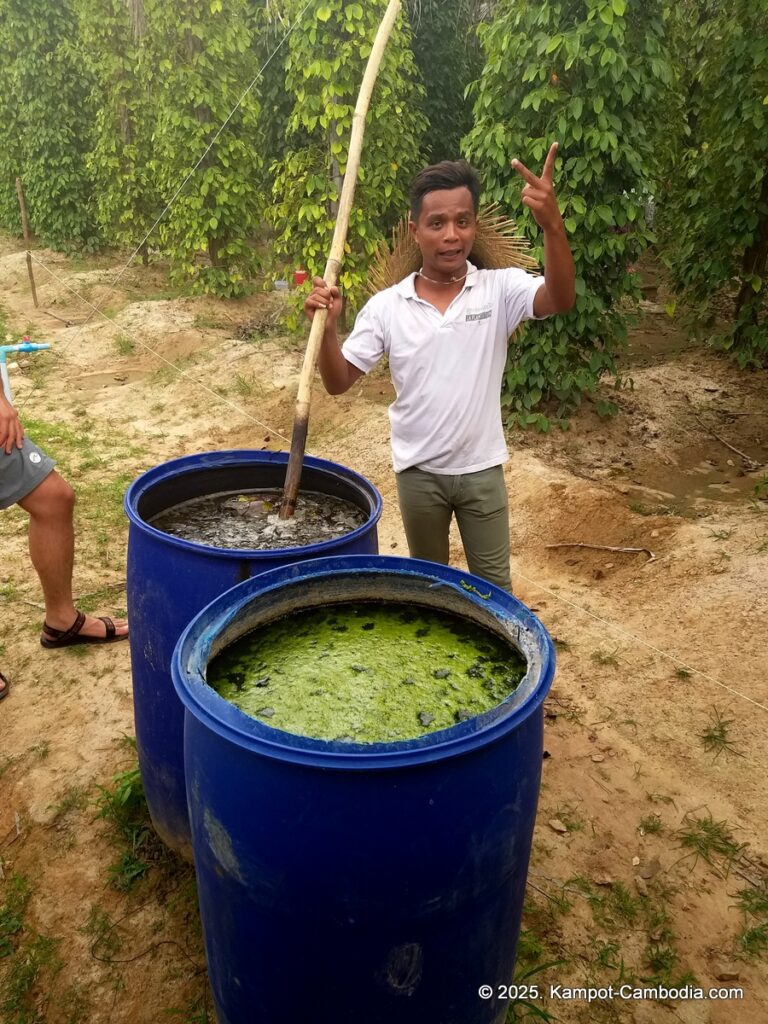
column 447, row 368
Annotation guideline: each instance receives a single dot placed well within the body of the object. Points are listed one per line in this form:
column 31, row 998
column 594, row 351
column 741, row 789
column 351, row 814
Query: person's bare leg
column 52, row 549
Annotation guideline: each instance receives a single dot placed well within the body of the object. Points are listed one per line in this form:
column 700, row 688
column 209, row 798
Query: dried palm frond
column 496, row 247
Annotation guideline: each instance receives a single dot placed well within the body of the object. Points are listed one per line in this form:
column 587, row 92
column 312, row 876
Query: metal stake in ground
column 332, row 267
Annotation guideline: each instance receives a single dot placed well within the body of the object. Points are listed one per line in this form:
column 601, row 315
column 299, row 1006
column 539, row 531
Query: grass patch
column 106, row 941
column 569, row 818
column 12, row 913
column 661, row 961
column 532, row 960
column 620, row 906
column 752, row 940
column 195, row 1012
column 703, row 837
column 72, row 798
column 124, row 345
column 715, row 735
column 243, row 385
column 123, row 806
column 640, row 509
column 167, row 373
column 606, row 657
column 651, row 825
column 211, row 322
column 721, row 534
column 24, row 956
column 17, row 997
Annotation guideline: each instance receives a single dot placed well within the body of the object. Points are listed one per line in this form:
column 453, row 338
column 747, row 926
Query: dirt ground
column 651, row 849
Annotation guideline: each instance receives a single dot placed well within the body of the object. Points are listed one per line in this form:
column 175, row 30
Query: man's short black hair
column 447, row 174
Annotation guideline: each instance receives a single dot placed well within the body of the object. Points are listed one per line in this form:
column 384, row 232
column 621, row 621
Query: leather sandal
column 71, row 636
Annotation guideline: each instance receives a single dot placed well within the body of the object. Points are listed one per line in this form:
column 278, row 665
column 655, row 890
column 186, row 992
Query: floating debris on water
column 336, row 673
column 250, row 520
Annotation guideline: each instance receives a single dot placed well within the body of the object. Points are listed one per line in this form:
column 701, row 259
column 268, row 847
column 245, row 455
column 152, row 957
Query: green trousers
column 428, row 501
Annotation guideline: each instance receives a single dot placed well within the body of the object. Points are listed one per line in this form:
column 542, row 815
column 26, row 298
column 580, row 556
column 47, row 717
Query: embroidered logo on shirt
column 479, row 313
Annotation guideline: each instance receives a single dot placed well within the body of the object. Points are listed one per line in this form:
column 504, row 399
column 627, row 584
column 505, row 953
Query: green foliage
column 203, row 61
column 590, row 76
column 12, row 913
column 448, row 55
column 123, row 806
column 46, row 119
column 324, row 65
column 715, row 211
column 24, row 956
column 114, row 42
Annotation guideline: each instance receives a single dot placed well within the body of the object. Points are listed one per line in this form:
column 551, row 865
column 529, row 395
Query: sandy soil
column 652, row 651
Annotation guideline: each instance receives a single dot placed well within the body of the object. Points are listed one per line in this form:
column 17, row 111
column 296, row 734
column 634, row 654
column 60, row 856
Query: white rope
column 169, row 204
column 639, row 640
column 208, row 148
column 160, row 356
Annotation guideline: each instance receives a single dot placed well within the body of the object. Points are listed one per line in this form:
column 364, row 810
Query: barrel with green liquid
column 349, row 878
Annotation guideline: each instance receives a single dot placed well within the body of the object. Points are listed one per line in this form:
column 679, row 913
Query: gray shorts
column 22, row 471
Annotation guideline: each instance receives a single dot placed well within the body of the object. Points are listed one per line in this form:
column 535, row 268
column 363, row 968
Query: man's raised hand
column 539, row 194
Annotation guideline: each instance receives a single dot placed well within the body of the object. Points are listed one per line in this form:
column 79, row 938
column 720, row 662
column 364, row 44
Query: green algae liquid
column 367, row 673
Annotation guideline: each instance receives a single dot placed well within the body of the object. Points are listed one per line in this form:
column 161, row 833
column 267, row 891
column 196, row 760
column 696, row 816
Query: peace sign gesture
column 539, row 194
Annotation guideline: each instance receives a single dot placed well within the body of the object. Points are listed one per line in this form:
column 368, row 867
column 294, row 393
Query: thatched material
column 496, row 247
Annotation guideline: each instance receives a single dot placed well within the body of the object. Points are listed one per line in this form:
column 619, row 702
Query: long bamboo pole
column 333, row 266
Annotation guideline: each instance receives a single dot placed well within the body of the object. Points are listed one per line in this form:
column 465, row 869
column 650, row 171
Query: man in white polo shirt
column 445, row 330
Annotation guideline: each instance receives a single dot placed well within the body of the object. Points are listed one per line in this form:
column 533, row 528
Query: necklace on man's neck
column 453, row 280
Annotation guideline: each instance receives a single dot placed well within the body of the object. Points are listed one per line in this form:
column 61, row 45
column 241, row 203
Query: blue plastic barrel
column 361, row 883
column 169, row 580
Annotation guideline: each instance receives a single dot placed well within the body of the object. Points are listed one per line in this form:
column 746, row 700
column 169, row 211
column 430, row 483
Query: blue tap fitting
column 23, row 346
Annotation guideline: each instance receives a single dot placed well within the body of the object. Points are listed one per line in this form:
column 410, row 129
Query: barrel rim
column 208, row 460
column 218, row 714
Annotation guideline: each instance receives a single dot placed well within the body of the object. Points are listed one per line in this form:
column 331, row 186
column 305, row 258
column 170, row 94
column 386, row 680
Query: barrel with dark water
column 169, row 580
column 361, row 882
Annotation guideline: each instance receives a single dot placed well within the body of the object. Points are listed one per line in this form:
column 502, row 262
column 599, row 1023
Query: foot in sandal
column 86, row 629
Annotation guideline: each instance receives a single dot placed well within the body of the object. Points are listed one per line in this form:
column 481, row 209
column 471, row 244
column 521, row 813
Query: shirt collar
column 407, row 287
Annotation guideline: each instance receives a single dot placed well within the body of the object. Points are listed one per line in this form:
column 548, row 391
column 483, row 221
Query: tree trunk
column 138, row 18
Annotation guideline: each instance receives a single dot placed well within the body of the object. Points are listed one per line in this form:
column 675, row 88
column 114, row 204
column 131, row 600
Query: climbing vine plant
column 114, row 35
column 324, row 66
column 47, row 135
column 589, row 75
column 448, row 55
column 715, row 218
column 203, row 58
